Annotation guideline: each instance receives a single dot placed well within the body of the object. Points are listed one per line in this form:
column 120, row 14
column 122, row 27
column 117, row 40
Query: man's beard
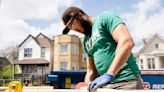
column 86, row 26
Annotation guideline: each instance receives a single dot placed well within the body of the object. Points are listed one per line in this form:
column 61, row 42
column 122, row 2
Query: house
column 150, row 59
column 35, row 56
column 68, row 53
column 151, row 56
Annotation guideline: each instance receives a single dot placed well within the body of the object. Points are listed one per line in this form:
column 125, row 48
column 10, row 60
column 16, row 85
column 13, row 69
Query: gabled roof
column 42, row 42
column 149, row 42
column 28, row 38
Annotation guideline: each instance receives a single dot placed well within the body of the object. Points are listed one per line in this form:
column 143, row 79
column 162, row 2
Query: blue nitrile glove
column 100, row 81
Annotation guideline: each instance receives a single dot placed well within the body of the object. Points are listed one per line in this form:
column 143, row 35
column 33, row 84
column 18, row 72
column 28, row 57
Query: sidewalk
column 3, row 89
column 50, row 89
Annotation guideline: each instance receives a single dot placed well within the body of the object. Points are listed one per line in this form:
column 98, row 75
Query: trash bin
column 16, row 86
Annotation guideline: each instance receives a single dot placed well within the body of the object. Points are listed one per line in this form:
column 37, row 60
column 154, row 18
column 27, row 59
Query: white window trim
column 63, row 53
column 84, row 57
column 74, row 65
column 29, row 54
column 151, row 61
column 141, row 64
column 157, row 46
column 43, row 54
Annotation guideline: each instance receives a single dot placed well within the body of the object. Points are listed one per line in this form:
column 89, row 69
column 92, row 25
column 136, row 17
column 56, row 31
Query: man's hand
column 99, row 82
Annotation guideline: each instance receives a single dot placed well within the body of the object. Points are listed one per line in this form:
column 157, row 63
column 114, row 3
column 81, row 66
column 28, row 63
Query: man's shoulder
column 106, row 13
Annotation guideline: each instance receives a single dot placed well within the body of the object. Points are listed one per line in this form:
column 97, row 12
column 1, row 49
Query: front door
column 39, row 70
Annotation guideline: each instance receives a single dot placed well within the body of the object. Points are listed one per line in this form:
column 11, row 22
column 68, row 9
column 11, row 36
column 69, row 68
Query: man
column 108, row 45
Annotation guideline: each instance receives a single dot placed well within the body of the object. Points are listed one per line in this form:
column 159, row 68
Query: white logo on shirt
column 90, row 43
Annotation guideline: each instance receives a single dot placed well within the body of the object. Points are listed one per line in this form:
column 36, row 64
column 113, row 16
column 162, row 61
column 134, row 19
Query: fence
column 33, row 81
column 5, row 82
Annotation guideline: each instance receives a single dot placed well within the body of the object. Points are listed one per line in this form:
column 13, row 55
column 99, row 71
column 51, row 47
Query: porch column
column 145, row 64
column 157, row 63
column 22, row 73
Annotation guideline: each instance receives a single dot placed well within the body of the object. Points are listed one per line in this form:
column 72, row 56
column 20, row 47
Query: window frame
column 27, row 52
column 141, row 64
column 65, row 67
column 43, row 54
column 151, row 63
column 157, row 45
column 63, row 51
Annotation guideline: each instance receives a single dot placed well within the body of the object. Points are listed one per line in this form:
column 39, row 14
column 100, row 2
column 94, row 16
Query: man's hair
column 71, row 12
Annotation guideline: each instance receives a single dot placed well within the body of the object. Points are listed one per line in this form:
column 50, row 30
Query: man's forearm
column 91, row 70
column 90, row 76
column 122, row 54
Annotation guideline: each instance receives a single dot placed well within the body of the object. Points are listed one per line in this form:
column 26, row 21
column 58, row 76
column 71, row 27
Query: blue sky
column 19, row 18
column 92, row 8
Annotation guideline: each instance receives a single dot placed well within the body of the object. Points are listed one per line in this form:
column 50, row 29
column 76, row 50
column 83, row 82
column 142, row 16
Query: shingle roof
column 43, row 42
column 32, row 61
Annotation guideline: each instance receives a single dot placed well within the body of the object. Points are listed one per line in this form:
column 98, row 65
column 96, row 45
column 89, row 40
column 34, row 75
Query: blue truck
column 153, row 79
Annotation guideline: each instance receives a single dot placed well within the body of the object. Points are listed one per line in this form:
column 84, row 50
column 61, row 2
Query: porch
column 32, row 71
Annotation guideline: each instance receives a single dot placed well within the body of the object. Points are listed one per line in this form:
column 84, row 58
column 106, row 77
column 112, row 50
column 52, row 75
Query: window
column 84, row 57
column 157, row 46
column 64, row 49
column 43, row 52
column 151, row 63
column 73, row 48
column 28, row 52
column 63, row 66
column 141, row 64
column 73, row 65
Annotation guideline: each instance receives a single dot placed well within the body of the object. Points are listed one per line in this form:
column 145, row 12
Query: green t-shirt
column 101, row 46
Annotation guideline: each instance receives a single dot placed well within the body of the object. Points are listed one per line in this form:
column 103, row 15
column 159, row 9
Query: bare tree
column 11, row 53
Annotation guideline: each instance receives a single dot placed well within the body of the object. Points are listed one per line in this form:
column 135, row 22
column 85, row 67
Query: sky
column 19, row 18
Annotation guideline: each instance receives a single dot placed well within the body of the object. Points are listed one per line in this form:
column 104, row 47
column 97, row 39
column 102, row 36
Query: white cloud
column 54, row 29
column 147, row 5
column 13, row 28
column 147, row 19
column 33, row 9
column 13, row 31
